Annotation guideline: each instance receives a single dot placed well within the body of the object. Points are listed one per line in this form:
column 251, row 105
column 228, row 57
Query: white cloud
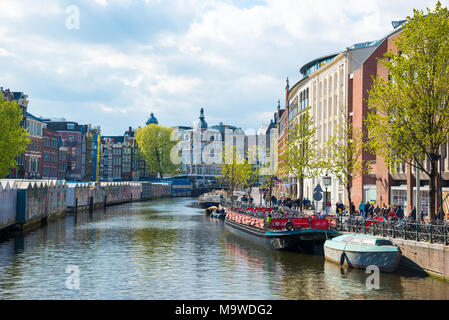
column 232, row 61
column 6, row 53
column 102, row 2
column 174, row 85
column 116, row 110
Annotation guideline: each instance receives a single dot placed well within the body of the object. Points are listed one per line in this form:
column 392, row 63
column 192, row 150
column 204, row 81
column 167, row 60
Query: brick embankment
column 431, row 258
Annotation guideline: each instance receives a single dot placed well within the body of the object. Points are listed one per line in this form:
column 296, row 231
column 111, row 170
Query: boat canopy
column 363, row 239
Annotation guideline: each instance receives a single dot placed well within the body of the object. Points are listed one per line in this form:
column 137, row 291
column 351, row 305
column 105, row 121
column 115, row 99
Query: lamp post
column 327, row 182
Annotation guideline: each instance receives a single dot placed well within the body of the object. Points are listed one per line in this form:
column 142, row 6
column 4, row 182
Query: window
column 71, row 139
column 70, row 126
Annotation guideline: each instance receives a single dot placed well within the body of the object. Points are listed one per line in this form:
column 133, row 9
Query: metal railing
column 401, row 229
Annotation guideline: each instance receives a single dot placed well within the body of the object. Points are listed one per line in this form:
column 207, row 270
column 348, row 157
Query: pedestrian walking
column 377, row 211
column 412, row 213
column 362, row 208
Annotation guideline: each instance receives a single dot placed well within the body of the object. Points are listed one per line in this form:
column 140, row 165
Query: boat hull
column 218, row 215
column 207, row 204
column 278, row 240
column 386, row 261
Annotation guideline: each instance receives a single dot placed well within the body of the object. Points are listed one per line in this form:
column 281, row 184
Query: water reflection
column 169, row 249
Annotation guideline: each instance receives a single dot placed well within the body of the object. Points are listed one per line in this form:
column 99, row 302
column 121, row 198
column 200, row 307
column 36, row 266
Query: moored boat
column 218, row 214
column 209, row 199
column 361, row 251
column 278, row 235
column 211, row 209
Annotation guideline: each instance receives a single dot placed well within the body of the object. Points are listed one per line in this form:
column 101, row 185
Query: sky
column 128, row 58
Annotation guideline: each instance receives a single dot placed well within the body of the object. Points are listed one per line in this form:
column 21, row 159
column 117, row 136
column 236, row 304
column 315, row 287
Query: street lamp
column 327, row 181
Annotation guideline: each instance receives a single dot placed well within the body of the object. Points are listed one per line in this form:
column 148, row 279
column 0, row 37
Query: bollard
column 91, row 204
column 416, row 235
column 444, row 234
column 76, row 206
column 405, row 230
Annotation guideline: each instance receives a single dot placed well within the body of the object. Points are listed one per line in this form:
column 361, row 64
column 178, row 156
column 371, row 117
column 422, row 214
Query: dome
column 152, row 119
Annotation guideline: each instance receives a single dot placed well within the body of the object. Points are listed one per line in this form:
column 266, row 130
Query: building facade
column 71, row 139
column 50, row 154
column 62, row 161
column 384, row 185
column 33, row 154
column 324, row 87
column 201, row 148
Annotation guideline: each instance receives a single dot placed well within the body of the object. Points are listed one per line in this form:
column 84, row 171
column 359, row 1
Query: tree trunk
column 432, row 190
column 349, row 202
column 270, row 201
column 301, row 193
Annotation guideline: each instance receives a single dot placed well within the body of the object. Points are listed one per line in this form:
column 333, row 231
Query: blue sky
column 171, row 57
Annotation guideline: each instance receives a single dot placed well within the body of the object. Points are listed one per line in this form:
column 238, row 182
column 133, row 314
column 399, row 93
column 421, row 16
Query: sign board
column 320, row 224
column 318, row 188
column 317, row 196
column 300, row 222
column 278, row 223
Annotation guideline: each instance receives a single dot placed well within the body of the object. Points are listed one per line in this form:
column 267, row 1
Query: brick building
column 33, row 153
column 50, row 154
column 383, row 186
column 71, row 136
column 62, row 162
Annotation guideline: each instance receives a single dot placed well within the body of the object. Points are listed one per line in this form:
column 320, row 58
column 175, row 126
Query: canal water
column 169, row 249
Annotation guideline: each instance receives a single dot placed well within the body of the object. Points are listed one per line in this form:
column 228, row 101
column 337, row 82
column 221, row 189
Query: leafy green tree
column 267, row 168
column 155, row 146
column 234, row 171
column 268, row 182
column 410, row 111
column 13, row 138
column 300, row 158
column 343, row 156
column 250, row 172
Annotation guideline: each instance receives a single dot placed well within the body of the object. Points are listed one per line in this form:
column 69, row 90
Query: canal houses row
column 29, row 203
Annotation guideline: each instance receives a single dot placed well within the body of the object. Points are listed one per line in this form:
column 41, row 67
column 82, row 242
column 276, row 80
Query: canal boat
column 217, row 214
column 211, row 209
column 361, row 251
column 209, row 199
column 279, row 235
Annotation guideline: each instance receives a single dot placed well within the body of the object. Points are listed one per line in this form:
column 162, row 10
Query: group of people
column 285, row 202
column 244, row 198
column 368, row 210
